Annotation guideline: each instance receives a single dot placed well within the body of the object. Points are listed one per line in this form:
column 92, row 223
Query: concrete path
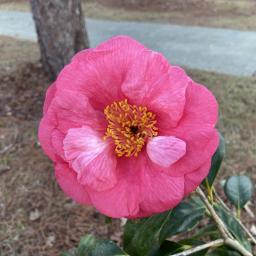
column 222, row 50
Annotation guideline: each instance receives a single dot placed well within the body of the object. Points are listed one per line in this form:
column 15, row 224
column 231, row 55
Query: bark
column 61, row 31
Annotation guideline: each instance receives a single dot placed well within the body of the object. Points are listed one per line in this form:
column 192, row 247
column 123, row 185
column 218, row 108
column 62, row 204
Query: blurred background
column 214, row 40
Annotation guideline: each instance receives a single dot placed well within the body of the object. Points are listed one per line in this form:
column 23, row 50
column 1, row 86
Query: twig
column 237, row 246
column 228, row 238
column 249, row 211
column 221, row 226
column 198, row 248
column 239, row 221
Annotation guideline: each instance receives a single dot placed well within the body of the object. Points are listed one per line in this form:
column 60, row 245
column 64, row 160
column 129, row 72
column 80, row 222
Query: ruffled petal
column 201, row 144
column 165, row 150
column 67, row 180
column 160, row 191
column 194, row 179
column 73, row 110
column 46, row 127
column 159, row 86
column 142, row 189
column 91, row 158
column 50, row 93
column 201, row 107
column 123, row 200
column 98, row 73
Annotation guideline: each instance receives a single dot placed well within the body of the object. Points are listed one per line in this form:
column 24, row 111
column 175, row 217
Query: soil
column 36, row 218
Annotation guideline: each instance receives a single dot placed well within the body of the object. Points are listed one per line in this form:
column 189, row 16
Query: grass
column 238, row 14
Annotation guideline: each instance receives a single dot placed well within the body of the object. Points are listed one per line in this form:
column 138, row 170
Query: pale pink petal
column 67, row 180
column 165, row 150
column 50, row 93
column 158, row 86
column 194, row 179
column 91, row 157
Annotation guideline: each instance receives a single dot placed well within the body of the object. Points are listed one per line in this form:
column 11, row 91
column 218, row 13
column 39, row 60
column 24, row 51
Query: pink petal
column 201, row 144
column 124, row 198
column 98, row 73
column 73, row 109
column 147, row 69
column 49, row 96
column 196, row 128
column 165, row 150
column 67, row 180
column 142, row 189
column 201, row 107
column 194, row 179
column 90, row 156
column 160, row 191
column 46, row 127
column 57, row 138
column 154, row 83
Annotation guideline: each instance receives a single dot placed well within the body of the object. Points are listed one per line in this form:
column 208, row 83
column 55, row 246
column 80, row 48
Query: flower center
column 129, row 126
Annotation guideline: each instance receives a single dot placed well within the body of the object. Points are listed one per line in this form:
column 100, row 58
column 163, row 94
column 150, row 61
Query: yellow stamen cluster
column 129, row 126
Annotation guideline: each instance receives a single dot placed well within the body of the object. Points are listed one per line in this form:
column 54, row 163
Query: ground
column 35, row 215
column 238, row 14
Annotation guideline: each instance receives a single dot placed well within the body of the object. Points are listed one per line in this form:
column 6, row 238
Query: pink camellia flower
column 128, row 133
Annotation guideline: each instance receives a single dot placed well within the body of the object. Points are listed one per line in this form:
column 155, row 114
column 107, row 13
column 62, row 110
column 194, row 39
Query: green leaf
column 238, row 190
column 183, row 218
column 216, row 162
column 142, row 237
column 90, row 246
column 209, row 230
column 223, row 251
column 167, row 248
column 233, row 226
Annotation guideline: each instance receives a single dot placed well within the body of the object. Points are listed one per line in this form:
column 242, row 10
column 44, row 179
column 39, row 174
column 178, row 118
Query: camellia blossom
column 128, row 133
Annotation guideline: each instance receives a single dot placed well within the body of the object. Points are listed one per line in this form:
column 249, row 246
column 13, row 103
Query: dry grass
column 238, row 14
column 35, row 216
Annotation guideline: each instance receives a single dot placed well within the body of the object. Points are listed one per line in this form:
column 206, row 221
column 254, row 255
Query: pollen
column 129, row 126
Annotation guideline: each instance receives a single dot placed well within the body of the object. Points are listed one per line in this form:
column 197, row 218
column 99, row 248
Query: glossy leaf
column 167, row 248
column 90, row 246
column 233, row 226
column 216, row 162
column 238, row 190
column 142, row 237
column 183, row 218
column 223, row 251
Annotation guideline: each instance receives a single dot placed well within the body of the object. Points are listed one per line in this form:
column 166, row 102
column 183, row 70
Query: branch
column 228, row 238
column 239, row 221
column 212, row 244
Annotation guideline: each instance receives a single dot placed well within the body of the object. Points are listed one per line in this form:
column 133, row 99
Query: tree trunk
column 61, row 31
